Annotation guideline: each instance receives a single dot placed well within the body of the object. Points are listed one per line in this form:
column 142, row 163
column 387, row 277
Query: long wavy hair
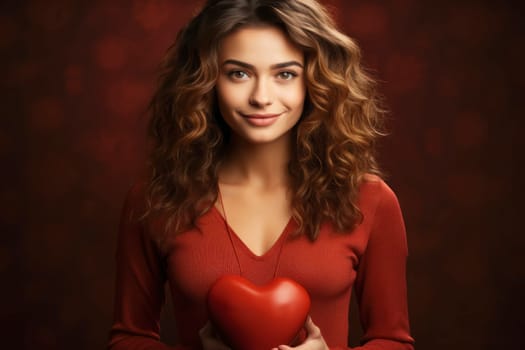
column 334, row 140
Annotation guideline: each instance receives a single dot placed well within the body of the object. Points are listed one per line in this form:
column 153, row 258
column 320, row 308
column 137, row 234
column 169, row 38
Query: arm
column 140, row 280
column 381, row 280
column 380, row 285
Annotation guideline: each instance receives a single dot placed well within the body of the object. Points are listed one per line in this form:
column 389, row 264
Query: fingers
column 313, row 341
column 210, row 340
column 312, row 330
column 283, row 347
column 206, row 331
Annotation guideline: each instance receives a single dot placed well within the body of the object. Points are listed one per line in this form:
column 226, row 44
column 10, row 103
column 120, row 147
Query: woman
column 263, row 164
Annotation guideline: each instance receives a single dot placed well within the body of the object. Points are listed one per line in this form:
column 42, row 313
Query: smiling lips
column 261, row 119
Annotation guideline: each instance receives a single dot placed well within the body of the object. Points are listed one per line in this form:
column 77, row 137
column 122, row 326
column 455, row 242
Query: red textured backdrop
column 76, row 76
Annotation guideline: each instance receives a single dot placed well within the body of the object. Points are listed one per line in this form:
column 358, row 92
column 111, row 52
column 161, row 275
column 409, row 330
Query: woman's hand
column 314, row 340
column 210, row 340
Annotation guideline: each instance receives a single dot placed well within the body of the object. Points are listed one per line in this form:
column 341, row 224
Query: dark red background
column 76, row 76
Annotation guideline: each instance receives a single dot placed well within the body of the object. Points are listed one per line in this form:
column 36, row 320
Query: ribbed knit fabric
column 370, row 259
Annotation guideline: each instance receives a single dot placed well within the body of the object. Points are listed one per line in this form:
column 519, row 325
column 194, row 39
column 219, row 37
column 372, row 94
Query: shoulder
column 382, row 214
column 135, row 200
column 136, row 215
column 375, row 193
column 374, row 186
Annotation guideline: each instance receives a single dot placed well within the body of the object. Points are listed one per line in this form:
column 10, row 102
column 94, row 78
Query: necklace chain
column 230, row 236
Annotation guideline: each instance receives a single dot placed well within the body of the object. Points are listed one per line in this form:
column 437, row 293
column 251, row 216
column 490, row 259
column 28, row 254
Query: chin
column 264, row 139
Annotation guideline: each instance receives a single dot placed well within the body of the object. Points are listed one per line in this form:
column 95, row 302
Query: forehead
column 259, row 44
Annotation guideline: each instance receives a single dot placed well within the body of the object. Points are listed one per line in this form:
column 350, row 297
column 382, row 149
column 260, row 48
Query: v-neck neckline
column 273, row 247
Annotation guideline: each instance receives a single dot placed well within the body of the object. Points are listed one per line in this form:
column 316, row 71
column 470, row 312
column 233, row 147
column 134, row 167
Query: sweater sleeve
column 140, row 280
column 381, row 280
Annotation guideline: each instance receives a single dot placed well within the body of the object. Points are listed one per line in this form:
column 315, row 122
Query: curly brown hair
column 334, row 140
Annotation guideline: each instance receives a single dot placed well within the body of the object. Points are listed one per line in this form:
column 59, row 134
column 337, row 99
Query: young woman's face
column 261, row 86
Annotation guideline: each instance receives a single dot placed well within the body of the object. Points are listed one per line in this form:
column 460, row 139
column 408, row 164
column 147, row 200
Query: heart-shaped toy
column 251, row 317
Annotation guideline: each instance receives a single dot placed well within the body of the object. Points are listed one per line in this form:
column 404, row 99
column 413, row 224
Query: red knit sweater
column 371, row 259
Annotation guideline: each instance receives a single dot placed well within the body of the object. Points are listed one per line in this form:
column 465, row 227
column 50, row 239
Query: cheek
column 294, row 98
column 226, row 96
column 233, row 94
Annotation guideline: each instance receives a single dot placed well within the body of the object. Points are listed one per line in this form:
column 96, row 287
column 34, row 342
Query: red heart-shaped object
column 251, row 317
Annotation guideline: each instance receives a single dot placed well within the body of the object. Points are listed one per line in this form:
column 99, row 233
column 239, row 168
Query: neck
column 258, row 165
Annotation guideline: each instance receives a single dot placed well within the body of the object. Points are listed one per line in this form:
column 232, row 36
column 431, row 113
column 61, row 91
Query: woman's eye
column 238, row 74
column 287, row 75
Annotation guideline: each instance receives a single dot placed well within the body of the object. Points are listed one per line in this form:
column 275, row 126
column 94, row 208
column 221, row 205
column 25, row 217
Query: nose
column 261, row 94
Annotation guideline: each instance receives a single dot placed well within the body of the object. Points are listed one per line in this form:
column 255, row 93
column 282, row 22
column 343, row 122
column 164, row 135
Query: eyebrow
column 273, row 66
